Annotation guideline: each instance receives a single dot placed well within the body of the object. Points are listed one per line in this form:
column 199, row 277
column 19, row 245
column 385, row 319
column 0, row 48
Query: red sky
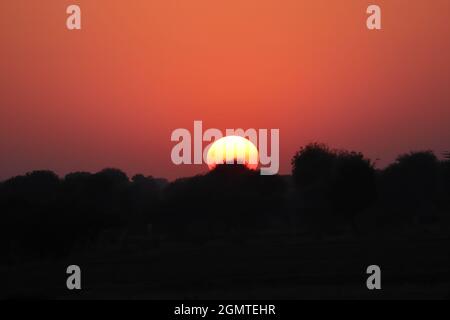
column 111, row 94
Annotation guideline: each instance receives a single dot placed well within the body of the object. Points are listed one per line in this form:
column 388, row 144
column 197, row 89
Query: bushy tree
column 312, row 166
column 353, row 187
column 410, row 184
column 228, row 198
column 44, row 216
column 332, row 185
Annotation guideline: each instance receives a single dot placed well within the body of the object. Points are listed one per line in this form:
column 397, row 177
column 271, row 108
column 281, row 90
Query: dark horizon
column 233, row 230
column 441, row 156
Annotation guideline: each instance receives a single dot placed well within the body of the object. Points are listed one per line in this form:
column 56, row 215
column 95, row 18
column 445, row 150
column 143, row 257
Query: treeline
column 43, row 215
column 335, row 186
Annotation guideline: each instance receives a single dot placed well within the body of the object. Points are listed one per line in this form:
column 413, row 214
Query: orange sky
column 111, row 94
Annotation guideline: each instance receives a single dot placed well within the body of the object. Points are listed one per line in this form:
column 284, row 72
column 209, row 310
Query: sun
column 233, row 150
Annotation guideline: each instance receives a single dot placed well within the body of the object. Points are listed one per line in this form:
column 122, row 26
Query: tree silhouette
column 445, row 183
column 145, row 200
column 312, row 166
column 332, row 185
column 230, row 197
column 43, row 216
column 353, row 187
column 30, row 223
column 410, row 184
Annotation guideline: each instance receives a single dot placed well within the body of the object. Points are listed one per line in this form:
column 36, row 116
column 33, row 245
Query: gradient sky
column 111, row 94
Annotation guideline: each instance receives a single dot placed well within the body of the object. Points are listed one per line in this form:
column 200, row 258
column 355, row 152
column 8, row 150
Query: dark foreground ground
column 232, row 233
column 267, row 267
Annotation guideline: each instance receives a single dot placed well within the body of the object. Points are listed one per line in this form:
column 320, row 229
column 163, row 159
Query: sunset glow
column 110, row 94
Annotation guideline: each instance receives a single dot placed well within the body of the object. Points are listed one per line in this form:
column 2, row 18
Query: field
column 267, row 267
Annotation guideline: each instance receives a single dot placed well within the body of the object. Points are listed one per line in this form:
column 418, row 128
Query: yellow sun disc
column 233, row 150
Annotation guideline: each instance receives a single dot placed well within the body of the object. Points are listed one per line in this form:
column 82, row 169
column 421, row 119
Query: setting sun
column 233, row 149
